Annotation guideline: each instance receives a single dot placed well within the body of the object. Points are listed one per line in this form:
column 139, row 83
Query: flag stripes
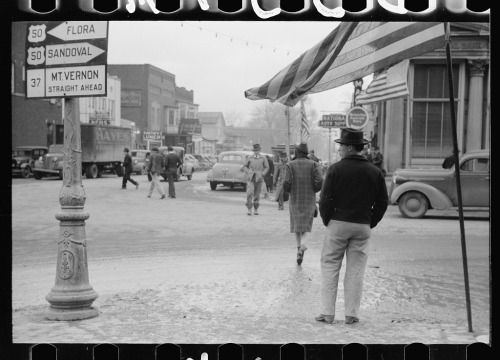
column 387, row 85
column 304, row 124
column 351, row 51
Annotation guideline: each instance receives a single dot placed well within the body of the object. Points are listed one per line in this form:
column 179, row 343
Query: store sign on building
column 153, row 135
column 66, row 59
column 357, row 117
column 332, row 121
column 130, row 97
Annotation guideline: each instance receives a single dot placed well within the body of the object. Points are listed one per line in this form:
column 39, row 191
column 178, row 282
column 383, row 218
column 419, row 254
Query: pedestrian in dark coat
column 127, row 170
column 303, row 179
column 268, row 178
column 278, row 181
column 352, row 202
column 155, row 168
column 172, row 163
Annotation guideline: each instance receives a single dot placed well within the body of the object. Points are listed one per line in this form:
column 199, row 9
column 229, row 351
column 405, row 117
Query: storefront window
column 432, row 131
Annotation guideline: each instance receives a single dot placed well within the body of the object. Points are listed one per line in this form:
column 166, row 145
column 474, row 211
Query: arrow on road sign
column 76, row 53
column 80, row 30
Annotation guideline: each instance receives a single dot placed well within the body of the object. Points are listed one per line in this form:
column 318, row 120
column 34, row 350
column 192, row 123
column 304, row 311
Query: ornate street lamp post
column 72, row 296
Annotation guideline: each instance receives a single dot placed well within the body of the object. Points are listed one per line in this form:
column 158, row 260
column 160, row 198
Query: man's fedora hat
column 302, row 147
column 350, row 136
column 256, row 147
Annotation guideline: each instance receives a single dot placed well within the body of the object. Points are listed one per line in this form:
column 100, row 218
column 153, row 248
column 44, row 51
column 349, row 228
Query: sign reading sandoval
column 66, row 59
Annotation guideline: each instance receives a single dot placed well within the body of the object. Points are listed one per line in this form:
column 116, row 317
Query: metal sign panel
column 66, row 59
column 357, row 117
column 332, row 121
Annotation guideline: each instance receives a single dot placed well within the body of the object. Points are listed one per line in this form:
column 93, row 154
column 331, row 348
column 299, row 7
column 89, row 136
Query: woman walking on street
column 303, row 179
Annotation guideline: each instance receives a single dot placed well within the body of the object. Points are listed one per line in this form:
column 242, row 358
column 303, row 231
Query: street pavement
column 198, row 269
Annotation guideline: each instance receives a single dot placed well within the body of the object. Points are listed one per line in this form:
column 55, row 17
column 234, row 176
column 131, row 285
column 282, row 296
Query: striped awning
column 351, row 51
column 389, row 84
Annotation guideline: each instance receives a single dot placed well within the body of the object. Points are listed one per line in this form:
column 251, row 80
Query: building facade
column 212, row 128
column 150, row 98
column 415, row 131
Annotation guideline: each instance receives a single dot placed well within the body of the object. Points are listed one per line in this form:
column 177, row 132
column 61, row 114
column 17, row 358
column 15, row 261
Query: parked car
column 139, row 161
column 190, row 159
column 417, row 190
column 212, row 159
column 227, row 171
column 203, row 161
column 23, row 159
column 186, row 169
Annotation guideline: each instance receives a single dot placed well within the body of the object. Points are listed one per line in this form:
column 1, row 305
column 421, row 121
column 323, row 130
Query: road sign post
column 68, row 59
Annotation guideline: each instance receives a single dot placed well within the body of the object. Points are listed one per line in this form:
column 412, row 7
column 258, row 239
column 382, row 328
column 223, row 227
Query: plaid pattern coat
column 303, row 179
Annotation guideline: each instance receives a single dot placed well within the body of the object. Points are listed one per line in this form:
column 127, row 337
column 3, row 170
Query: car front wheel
column 413, row 205
column 213, row 185
column 26, row 172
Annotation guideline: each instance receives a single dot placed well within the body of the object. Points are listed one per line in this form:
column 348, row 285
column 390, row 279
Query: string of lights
column 235, row 39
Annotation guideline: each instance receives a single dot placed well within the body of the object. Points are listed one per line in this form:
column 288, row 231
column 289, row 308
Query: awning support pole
column 457, row 172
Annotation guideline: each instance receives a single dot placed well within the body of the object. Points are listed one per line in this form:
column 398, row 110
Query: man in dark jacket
column 353, row 200
column 127, row 170
column 172, row 163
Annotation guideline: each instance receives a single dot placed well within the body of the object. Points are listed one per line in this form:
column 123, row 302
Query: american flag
column 304, row 124
column 351, row 51
column 389, row 84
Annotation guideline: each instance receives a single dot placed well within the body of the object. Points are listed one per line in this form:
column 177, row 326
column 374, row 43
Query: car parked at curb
column 203, row 161
column 417, row 190
column 228, row 170
column 139, row 162
column 24, row 157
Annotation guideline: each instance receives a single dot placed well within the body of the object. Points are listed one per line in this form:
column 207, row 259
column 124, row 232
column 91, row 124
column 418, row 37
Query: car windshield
column 21, row 152
column 136, row 154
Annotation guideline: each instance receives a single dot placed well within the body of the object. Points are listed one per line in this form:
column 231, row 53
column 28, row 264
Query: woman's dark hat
column 302, row 147
column 256, row 147
column 350, row 136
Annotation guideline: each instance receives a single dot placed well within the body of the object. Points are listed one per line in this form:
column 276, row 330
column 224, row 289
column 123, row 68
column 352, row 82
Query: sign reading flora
column 357, row 117
column 66, row 59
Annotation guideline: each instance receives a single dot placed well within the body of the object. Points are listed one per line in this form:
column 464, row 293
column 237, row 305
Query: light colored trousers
column 351, row 239
column 155, row 182
column 253, row 193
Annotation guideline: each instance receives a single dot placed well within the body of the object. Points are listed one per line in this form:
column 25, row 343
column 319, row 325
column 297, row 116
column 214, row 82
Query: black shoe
column 163, row 196
column 351, row 320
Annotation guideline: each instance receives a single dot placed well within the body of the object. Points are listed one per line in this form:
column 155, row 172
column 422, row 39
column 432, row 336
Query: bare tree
column 234, row 118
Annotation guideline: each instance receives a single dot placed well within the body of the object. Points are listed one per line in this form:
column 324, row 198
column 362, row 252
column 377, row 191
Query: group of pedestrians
column 353, row 200
column 157, row 164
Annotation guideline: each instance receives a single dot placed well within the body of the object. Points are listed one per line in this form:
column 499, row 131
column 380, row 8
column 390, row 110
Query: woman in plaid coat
column 303, row 179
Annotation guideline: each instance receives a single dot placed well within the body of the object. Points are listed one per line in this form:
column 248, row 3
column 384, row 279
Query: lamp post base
column 71, row 315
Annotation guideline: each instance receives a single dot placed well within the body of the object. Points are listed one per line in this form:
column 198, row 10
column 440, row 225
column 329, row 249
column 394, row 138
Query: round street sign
column 357, row 117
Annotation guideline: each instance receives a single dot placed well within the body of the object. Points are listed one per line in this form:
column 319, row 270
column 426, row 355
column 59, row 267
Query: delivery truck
column 102, row 151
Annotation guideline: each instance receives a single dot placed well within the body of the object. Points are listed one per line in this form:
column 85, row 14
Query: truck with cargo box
column 102, row 151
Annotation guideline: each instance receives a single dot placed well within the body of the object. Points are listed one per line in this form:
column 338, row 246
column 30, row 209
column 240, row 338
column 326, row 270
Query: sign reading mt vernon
column 66, row 59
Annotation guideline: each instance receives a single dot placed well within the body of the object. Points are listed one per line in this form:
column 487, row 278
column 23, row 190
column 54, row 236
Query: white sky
column 217, row 69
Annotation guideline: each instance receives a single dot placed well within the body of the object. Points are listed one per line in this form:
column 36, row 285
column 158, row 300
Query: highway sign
column 357, row 117
column 66, row 59
column 80, row 30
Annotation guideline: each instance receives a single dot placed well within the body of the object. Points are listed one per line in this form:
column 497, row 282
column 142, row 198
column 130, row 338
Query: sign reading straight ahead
column 66, row 59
